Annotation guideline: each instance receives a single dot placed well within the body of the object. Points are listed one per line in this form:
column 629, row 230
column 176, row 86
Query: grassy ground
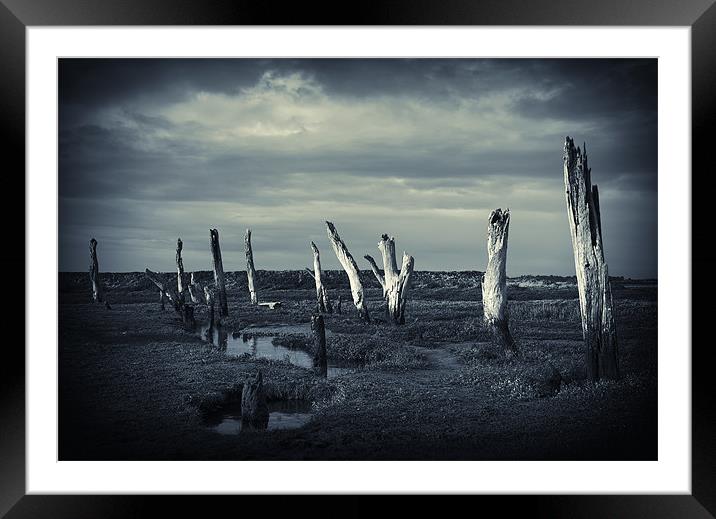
column 135, row 385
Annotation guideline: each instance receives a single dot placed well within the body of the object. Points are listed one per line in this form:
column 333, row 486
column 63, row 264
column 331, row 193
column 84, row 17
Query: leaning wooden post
column 196, row 290
column 395, row 283
column 324, row 304
column 181, row 277
column 218, row 272
column 250, row 271
column 185, row 311
column 494, row 282
column 595, row 292
column 351, row 268
column 209, row 295
column 94, row 272
column 320, row 359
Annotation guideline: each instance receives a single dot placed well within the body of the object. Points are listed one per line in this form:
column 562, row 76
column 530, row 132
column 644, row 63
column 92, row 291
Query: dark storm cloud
column 153, row 149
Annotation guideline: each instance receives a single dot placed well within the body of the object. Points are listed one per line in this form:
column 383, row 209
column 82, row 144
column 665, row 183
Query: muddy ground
column 135, row 385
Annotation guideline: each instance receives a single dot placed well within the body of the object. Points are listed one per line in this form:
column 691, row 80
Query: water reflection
column 236, row 344
column 284, row 414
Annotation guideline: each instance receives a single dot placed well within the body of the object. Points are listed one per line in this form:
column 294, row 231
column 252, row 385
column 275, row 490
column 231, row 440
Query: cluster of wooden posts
column 595, row 298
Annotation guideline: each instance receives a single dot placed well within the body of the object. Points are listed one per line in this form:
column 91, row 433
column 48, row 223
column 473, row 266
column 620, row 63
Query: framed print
column 246, row 324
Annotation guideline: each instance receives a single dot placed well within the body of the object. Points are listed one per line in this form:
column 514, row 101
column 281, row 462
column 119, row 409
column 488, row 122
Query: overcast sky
column 155, row 149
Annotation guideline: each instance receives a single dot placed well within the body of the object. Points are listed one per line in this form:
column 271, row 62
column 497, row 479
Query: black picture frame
column 700, row 15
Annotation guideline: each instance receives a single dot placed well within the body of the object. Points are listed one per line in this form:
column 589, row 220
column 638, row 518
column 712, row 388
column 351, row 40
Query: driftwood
column 320, row 359
column 494, row 282
column 94, row 272
column 250, row 270
column 324, row 304
column 395, row 283
column 254, row 409
column 272, row 305
column 595, row 293
column 351, row 268
column 218, row 272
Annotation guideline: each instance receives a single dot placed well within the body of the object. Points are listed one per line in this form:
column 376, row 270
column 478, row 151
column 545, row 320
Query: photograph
column 357, row 258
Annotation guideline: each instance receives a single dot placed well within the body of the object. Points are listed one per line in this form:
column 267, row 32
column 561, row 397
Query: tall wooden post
column 324, row 304
column 351, row 268
column 182, row 285
column 218, row 272
column 595, row 292
column 250, row 270
column 494, row 282
column 320, row 359
column 94, row 272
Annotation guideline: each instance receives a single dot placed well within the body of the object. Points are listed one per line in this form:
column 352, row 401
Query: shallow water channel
column 262, row 345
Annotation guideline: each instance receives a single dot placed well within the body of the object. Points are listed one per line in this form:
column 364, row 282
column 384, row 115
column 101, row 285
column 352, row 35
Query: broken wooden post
column 254, row 409
column 181, row 277
column 351, row 268
column 94, row 272
column 595, row 292
column 494, row 282
column 209, row 295
column 324, row 304
column 185, row 311
column 250, row 271
column 320, row 360
column 196, row 290
column 218, row 272
column 162, row 298
column 394, row 283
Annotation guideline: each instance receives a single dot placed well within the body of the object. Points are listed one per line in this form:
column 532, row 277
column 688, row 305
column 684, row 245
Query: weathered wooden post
column 320, row 359
column 250, row 270
column 324, row 304
column 218, row 272
column 351, row 268
column 394, row 283
column 185, row 311
column 209, row 295
column 94, row 272
column 494, row 282
column 595, row 292
column 162, row 298
column 338, row 305
column 181, row 277
column 196, row 290
column 254, row 409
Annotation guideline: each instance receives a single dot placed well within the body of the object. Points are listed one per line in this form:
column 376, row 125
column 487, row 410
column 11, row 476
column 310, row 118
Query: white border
column 671, row 474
